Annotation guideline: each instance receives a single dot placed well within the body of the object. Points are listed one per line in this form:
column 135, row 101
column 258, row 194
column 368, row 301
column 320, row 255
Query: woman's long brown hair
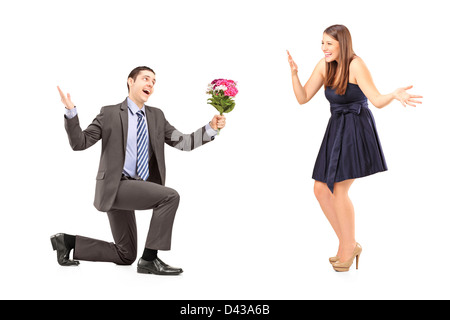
column 337, row 75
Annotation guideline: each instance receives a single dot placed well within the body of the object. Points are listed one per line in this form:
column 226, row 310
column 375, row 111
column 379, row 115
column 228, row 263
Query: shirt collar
column 133, row 107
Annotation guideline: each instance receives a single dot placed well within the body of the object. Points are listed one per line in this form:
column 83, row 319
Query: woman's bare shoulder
column 357, row 63
column 321, row 67
column 321, row 63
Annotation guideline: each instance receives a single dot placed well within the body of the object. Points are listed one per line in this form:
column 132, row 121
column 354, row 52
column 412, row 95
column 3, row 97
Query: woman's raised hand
column 292, row 64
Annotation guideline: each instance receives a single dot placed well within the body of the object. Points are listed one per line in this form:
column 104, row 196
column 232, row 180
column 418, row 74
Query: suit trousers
column 133, row 195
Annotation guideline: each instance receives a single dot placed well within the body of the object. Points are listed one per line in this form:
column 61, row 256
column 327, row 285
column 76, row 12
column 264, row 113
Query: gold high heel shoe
column 345, row 266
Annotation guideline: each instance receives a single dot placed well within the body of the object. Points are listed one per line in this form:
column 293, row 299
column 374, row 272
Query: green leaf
column 221, row 102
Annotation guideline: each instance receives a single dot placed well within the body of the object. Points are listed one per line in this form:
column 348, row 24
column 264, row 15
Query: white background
column 248, row 225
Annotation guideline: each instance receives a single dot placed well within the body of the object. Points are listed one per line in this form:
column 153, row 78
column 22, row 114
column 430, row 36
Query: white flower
column 221, row 87
column 210, row 88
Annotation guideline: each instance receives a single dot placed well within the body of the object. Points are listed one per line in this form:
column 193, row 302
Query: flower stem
column 218, row 129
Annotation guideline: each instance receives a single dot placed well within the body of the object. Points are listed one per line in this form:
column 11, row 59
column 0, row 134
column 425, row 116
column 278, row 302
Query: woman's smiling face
column 330, row 48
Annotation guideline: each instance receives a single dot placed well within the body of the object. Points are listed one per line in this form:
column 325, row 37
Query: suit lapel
column 124, row 119
column 151, row 123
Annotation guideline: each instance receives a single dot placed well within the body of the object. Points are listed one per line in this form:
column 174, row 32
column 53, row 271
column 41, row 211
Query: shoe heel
column 142, row 270
column 53, row 241
column 357, row 261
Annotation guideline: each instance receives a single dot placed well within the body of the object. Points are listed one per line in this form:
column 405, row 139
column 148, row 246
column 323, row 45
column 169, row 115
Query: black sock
column 69, row 241
column 149, row 254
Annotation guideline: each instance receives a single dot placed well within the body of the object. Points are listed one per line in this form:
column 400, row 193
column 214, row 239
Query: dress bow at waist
column 340, row 110
column 354, row 107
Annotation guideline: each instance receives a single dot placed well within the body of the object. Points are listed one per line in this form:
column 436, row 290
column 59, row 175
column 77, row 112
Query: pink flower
column 231, row 90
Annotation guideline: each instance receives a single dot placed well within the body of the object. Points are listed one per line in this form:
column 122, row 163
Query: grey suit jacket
column 111, row 125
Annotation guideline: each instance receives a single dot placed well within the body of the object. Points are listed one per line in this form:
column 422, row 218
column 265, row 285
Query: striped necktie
column 142, row 147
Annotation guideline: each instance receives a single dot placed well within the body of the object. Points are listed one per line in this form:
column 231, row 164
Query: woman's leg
column 345, row 216
column 325, row 198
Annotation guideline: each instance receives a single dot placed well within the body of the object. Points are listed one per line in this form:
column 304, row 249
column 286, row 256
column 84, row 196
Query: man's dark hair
column 134, row 73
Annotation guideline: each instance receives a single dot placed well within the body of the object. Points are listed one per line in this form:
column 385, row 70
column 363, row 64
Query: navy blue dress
column 350, row 148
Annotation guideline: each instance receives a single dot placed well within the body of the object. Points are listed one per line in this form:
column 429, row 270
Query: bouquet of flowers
column 222, row 92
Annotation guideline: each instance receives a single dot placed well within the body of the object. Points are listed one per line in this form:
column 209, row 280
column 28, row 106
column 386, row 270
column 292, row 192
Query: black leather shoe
column 156, row 266
column 62, row 252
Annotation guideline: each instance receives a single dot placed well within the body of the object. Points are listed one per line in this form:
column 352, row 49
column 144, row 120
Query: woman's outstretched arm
column 364, row 80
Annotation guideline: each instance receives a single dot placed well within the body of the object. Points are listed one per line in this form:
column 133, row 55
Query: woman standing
column 351, row 148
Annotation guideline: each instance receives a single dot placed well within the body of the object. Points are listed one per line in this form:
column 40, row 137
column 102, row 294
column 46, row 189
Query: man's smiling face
column 141, row 88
